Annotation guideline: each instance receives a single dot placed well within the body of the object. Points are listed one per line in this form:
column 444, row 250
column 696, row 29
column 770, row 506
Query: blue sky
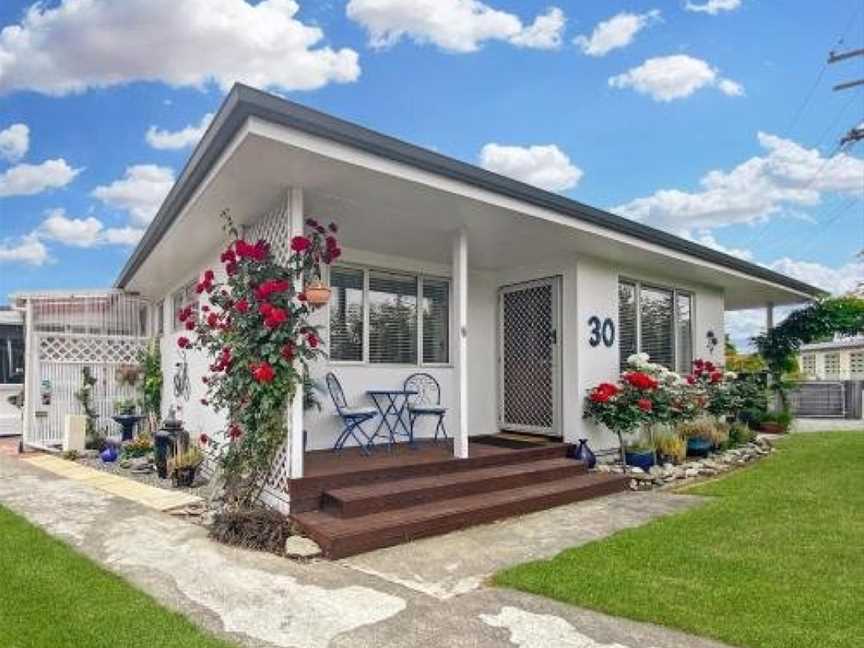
column 696, row 117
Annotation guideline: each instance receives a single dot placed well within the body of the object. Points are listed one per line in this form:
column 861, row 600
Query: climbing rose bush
column 256, row 333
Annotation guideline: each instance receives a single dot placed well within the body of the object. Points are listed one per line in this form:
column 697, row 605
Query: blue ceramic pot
column 109, row 454
column 643, row 460
column 698, row 447
column 584, row 453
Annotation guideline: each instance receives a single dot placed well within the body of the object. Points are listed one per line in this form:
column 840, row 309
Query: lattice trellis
column 528, row 357
column 88, row 350
column 274, row 228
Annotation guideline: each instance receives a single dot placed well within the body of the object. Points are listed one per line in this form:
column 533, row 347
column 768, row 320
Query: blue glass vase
column 584, row 453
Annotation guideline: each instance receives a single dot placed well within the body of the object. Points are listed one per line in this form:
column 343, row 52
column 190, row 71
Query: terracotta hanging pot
column 317, row 293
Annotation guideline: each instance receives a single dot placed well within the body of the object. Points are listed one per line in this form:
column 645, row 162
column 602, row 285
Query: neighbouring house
column 515, row 299
column 840, row 359
column 11, row 369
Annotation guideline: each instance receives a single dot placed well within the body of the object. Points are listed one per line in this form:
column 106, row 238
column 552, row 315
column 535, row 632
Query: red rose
column 241, row 306
column 190, row 325
column 603, row 392
column 640, row 380
column 333, row 227
column 265, row 309
column 232, row 269
column 691, row 379
column 212, row 320
column 262, row 372
column 716, row 377
column 228, row 256
column 209, row 275
column 312, row 340
column 184, row 314
column 234, row 431
column 331, row 242
column 275, row 317
column 205, row 402
column 709, row 367
column 203, row 439
column 184, row 343
column 644, row 404
column 300, row 244
column 301, row 296
column 288, row 351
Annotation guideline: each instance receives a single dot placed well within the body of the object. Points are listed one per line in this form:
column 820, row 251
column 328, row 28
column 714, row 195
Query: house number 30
column 601, row 331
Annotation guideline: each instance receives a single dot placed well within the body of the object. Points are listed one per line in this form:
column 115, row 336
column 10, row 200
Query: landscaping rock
column 635, row 470
column 691, row 472
column 300, row 547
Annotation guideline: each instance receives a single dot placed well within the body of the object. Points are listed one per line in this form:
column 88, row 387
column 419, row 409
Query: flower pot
column 317, row 293
column 698, row 447
column 184, row 477
column 643, row 459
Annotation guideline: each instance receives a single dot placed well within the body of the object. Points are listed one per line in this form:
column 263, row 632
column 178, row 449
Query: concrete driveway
column 427, row 593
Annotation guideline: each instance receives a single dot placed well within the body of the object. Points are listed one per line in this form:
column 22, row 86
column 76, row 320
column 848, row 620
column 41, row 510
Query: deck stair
column 362, row 512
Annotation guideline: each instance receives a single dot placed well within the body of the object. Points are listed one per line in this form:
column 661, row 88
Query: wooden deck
column 350, row 503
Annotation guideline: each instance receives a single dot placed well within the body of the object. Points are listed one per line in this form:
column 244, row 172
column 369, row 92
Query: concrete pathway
column 428, row 593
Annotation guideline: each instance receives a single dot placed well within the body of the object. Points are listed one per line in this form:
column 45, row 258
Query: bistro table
column 392, row 404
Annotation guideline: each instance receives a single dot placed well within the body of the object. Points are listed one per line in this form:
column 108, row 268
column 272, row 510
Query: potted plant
column 640, row 455
column 183, row 465
column 699, row 434
column 671, row 448
column 323, row 248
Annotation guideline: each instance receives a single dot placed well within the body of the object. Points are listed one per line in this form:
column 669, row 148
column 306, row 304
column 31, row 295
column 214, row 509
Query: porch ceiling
column 385, row 208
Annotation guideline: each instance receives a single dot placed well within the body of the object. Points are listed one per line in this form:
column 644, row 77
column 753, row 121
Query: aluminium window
column 856, row 365
column 388, row 317
column 832, row 365
column 808, row 364
column 657, row 321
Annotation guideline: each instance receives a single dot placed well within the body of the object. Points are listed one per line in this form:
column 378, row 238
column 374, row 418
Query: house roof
column 244, row 102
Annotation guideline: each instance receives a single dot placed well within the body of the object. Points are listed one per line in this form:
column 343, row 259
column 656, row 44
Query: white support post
column 295, row 228
column 30, row 371
column 460, row 297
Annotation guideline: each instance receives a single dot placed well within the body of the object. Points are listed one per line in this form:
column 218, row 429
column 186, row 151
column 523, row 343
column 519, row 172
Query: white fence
column 66, row 334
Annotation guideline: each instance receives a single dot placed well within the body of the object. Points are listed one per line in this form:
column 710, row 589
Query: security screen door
column 529, row 357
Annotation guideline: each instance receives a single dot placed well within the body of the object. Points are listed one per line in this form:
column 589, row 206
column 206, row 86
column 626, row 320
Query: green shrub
column 741, row 433
column 671, row 446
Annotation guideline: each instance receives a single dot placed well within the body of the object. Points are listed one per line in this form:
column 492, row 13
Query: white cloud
column 544, row 33
column 786, row 175
column 667, row 78
column 14, row 142
column 173, row 140
column 30, row 179
column 80, row 44
column 713, row 7
column 84, row 232
column 618, row 31
column 29, row 250
column 546, row 167
column 453, row 25
column 708, row 240
column 140, row 192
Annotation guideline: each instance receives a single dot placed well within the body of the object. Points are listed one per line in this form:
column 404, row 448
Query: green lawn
column 774, row 560
column 52, row 596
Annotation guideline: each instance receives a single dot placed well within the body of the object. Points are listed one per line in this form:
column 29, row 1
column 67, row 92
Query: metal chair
column 352, row 417
column 426, row 402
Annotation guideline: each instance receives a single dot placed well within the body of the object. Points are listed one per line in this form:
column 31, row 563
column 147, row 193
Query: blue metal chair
column 352, row 417
column 426, row 402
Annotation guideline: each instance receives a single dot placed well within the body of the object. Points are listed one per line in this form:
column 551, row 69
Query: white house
column 520, row 299
column 840, row 359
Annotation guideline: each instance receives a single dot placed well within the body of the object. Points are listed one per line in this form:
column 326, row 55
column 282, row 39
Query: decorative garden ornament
column 584, row 453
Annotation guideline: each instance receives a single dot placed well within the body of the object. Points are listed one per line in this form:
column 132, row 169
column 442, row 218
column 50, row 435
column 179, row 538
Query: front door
column 529, row 357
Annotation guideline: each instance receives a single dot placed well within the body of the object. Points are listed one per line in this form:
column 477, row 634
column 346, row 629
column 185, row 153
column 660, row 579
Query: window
column 856, row 365
column 159, row 318
column 627, row 321
column 808, row 364
column 184, row 297
column 346, row 314
column 684, row 332
column 832, row 365
column 384, row 317
column 11, row 354
column 656, row 321
column 436, row 320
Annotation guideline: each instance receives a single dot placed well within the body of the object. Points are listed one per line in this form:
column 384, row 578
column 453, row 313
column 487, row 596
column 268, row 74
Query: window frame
column 420, row 277
column 638, row 284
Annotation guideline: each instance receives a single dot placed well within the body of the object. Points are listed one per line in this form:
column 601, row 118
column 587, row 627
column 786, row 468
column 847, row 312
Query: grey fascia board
column 244, row 102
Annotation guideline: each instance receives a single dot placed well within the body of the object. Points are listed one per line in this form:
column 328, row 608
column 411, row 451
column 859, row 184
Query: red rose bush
column 256, row 333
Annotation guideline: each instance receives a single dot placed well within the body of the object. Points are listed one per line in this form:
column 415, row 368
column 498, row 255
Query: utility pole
column 856, row 133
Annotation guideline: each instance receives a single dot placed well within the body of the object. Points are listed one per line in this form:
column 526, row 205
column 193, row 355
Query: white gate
column 529, row 357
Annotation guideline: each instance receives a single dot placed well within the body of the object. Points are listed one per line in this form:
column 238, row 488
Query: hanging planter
column 317, row 292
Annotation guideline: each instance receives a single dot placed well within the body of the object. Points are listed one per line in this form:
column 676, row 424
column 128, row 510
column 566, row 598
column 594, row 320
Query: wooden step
column 341, row 537
column 352, row 501
column 306, row 492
